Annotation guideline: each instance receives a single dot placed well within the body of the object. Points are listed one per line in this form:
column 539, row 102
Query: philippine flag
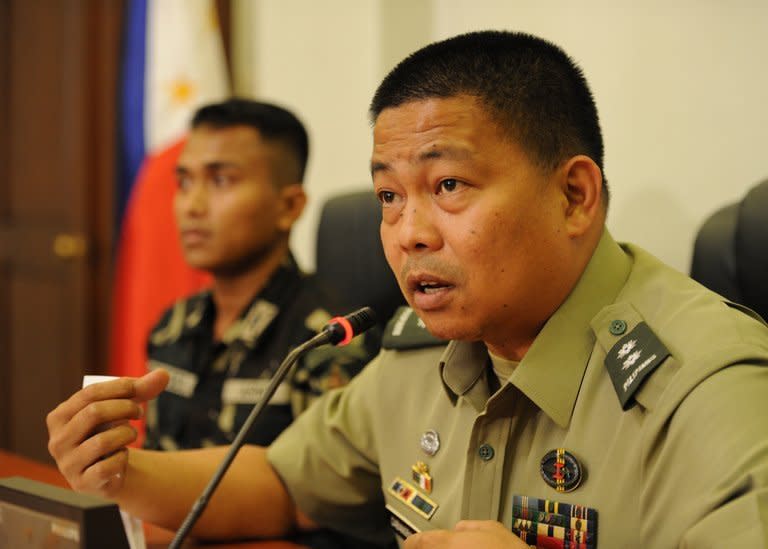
column 173, row 62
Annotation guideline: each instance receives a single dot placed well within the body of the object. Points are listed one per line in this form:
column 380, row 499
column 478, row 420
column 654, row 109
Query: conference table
column 12, row 465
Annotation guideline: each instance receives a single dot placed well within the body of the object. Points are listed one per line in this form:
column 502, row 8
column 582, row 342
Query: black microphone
column 339, row 331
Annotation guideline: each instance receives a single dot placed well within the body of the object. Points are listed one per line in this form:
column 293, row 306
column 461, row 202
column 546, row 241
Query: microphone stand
column 333, row 333
column 282, row 371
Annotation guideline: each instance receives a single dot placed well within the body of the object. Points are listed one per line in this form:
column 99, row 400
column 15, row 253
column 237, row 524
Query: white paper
column 134, row 527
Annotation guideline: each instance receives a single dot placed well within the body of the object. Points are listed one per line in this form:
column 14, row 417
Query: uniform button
column 618, row 327
column 485, row 452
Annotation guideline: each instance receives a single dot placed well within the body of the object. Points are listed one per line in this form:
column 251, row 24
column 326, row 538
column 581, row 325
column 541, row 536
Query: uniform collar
column 550, row 373
column 256, row 316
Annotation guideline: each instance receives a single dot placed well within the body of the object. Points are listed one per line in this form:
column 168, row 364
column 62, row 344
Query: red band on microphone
column 348, row 331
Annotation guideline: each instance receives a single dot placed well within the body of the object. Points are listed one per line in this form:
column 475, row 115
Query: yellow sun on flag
column 182, row 91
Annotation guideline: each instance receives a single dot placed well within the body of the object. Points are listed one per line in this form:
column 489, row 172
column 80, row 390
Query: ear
column 292, row 202
column 583, row 190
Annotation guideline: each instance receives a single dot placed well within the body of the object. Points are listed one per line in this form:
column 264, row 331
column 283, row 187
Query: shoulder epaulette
column 746, row 310
column 632, row 359
column 405, row 330
column 185, row 311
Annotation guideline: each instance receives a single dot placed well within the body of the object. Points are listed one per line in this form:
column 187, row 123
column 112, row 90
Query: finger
column 105, row 476
column 99, row 447
column 64, row 412
column 141, row 389
column 97, row 416
column 432, row 539
column 467, row 525
column 149, row 386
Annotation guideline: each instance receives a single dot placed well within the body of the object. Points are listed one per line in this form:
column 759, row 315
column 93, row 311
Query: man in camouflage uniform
column 215, row 384
column 239, row 193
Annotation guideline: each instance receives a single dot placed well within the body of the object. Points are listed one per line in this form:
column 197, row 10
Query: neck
column 547, row 302
column 511, row 349
column 232, row 292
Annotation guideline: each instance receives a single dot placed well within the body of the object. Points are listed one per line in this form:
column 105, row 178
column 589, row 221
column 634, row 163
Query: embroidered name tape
column 181, row 382
column 250, row 391
column 401, row 525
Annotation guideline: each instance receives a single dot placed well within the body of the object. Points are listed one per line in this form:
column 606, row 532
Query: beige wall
column 681, row 91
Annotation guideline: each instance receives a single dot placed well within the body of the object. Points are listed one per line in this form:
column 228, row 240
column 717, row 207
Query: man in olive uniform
column 589, row 395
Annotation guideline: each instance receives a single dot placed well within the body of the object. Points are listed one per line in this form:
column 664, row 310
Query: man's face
column 472, row 229
column 228, row 210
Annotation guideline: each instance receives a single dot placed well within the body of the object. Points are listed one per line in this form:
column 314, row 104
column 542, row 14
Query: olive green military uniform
column 653, row 388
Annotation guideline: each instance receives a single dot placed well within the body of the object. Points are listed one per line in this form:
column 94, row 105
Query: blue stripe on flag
column 132, row 146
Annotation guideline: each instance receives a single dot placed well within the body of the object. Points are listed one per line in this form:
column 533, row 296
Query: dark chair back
column 349, row 258
column 730, row 255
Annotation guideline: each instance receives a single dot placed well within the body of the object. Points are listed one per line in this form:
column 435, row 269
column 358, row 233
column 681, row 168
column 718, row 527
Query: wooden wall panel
column 56, row 190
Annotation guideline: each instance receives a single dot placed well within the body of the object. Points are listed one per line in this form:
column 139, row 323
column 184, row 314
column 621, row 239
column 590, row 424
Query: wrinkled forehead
column 449, row 124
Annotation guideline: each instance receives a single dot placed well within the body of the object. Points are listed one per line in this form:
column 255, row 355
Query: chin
column 447, row 329
column 200, row 264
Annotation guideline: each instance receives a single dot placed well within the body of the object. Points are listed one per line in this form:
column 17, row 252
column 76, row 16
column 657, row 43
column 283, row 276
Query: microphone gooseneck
column 338, row 331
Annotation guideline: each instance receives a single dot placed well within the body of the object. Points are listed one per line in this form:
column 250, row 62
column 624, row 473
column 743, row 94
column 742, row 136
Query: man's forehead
column 216, row 145
column 431, row 128
column 240, row 133
column 422, row 114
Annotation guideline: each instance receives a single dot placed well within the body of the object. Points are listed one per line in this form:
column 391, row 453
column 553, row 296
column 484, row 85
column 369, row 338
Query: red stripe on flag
column 150, row 271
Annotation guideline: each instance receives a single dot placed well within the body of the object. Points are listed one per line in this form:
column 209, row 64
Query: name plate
column 34, row 514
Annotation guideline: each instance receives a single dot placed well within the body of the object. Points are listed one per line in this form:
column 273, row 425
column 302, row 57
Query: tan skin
column 456, row 193
column 234, row 209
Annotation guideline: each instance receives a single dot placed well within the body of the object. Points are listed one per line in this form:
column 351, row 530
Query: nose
column 193, row 199
column 417, row 226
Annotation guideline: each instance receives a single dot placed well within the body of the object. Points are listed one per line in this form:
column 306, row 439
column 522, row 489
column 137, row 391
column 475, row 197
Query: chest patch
column 181, row 382
column 632, row 359
column 250, row 391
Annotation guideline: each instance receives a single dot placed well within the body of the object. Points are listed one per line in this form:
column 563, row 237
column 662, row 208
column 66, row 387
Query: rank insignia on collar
column 560, row 470
column 547, row 523
column 632, row 359
column 421, row 476
column 412, row 498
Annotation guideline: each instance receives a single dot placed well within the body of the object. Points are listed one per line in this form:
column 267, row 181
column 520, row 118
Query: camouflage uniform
column 214, row 384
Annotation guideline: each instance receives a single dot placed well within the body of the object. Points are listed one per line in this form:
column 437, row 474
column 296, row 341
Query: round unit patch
column 561, row 470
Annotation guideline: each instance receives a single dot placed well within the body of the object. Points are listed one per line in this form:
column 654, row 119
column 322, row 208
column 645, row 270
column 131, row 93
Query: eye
column 448, row 185
column 386, row 197
column 183, row 181
column 221, row 180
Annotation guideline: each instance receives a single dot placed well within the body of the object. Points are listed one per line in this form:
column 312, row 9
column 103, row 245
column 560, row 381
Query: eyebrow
column 211, row 166
column 435, row 153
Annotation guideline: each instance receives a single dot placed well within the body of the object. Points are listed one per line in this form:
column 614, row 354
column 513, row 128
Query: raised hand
column 89, row 432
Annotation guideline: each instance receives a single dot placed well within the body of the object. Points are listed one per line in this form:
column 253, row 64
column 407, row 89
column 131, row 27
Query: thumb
column 150, row 385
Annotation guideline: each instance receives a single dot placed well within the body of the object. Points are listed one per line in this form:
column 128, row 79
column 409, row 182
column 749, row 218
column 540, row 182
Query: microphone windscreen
column 341, row 330
column 362, row 320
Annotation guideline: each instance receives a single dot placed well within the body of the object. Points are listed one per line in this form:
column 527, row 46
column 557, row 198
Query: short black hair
column 532, row 88
column 274, row 123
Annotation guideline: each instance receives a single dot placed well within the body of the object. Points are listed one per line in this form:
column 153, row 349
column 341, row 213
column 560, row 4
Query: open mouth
column 430, row 287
